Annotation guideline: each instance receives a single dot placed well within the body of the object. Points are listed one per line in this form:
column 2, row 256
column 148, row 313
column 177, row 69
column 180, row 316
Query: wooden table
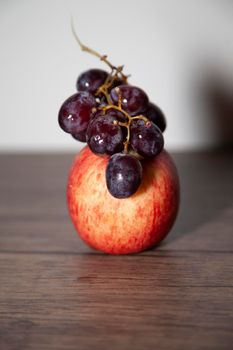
column 56, row 293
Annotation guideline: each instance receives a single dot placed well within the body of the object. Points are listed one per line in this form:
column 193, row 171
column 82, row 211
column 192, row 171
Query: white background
column 171, row 48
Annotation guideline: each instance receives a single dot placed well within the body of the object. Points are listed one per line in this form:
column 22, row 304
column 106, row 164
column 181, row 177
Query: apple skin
column 122, row 226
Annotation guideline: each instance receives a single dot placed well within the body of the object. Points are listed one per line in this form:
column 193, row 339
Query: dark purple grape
column 104, row 136
column 91, row 80
column 81, row 136
column 75, row 113
column 133, row 99
column 123, row 175
column 155, row 114
column 119, row 116
column 146, row 138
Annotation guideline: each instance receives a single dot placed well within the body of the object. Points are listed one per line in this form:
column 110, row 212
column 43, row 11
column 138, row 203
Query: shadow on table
column 207, row 179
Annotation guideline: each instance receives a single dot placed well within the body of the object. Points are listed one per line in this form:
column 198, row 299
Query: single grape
column 104, row 136
column 123, row 175
column 155, row 114
column 91, row 80
column 81, row 136
column 121, row 118
column 133, row 99
column 146, row 138
column 75, row 113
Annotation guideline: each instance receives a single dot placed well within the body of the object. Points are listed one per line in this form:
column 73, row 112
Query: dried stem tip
column 88, row 49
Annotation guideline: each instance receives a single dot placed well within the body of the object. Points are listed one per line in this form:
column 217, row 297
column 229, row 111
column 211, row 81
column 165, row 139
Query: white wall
column 169, row 47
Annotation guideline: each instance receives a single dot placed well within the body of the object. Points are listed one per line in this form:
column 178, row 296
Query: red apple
column 122, row 226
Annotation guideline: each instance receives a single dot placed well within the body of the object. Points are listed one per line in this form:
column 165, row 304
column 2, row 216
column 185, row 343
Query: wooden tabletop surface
column 56, row 293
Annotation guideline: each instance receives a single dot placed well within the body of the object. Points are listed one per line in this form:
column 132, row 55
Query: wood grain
column 56, row 293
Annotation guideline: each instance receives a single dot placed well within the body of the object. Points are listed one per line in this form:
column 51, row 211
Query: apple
column 122, row 226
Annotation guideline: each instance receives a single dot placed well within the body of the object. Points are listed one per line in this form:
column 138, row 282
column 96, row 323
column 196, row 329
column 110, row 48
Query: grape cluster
column 116, row 119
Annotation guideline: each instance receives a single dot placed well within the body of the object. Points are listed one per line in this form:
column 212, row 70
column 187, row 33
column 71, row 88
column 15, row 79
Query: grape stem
column 89, row 50
column 116, row 74
column 117, row 70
